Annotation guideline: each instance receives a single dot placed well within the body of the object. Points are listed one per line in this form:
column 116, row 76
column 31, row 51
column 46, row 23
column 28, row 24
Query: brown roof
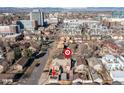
column 7, row 76
column 61, row 56
column 4, row 63
column 22, row 61
column 75, row 76
column 81, row 61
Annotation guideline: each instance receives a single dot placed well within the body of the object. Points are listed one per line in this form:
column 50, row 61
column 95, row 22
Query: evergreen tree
column 17, row 53
column 61, row 69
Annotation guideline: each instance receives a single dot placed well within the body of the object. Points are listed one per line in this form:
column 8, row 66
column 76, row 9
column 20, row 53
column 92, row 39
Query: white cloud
column 61, row 3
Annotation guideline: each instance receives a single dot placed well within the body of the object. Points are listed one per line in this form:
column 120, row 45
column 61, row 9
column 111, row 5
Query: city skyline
column 60, row 9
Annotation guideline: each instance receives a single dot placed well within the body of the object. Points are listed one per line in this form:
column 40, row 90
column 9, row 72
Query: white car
column 1, row 56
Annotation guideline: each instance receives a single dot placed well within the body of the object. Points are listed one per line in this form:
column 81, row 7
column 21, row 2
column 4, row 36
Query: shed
column 20, row 64
column 3, row 65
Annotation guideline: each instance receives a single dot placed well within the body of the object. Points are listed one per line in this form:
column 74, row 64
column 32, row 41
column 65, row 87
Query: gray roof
column 117, row 74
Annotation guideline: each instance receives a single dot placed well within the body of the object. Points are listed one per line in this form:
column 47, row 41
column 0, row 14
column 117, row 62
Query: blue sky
column 61, row 3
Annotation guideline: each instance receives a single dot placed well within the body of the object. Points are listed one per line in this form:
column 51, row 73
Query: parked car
column 1, row 55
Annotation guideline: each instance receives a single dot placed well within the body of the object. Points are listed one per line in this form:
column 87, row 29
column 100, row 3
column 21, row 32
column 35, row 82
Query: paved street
column 37, row 72
column 33, row 80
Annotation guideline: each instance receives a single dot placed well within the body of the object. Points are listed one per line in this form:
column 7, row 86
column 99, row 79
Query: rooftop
column 117, row 75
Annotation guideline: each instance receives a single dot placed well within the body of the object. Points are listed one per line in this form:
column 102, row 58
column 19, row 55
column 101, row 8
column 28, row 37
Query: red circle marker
column 67, row 53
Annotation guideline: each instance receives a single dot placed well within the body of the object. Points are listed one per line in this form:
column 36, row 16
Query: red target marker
column 67, row 53
column 53, row 72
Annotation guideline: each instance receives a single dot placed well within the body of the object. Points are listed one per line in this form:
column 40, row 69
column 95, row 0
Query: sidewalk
column 45, row 75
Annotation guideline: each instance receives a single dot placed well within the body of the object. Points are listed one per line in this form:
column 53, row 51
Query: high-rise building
column 37, row 15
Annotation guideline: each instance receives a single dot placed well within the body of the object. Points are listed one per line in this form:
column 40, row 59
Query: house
column 20, row 64
column 3, row 65
column 7, row 78
column 65, row 63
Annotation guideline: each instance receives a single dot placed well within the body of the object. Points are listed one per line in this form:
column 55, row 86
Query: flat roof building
column 117, row 76
column 9, row 29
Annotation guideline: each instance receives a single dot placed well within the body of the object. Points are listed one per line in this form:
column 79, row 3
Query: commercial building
column 53, row 18
column 119, row 14
column 37, row 15
column 28, row 24
column 114, row 23
column 9, row 29
column 74, row 26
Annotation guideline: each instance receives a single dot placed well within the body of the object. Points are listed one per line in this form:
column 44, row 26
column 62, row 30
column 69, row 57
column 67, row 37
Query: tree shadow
column 40, row 55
